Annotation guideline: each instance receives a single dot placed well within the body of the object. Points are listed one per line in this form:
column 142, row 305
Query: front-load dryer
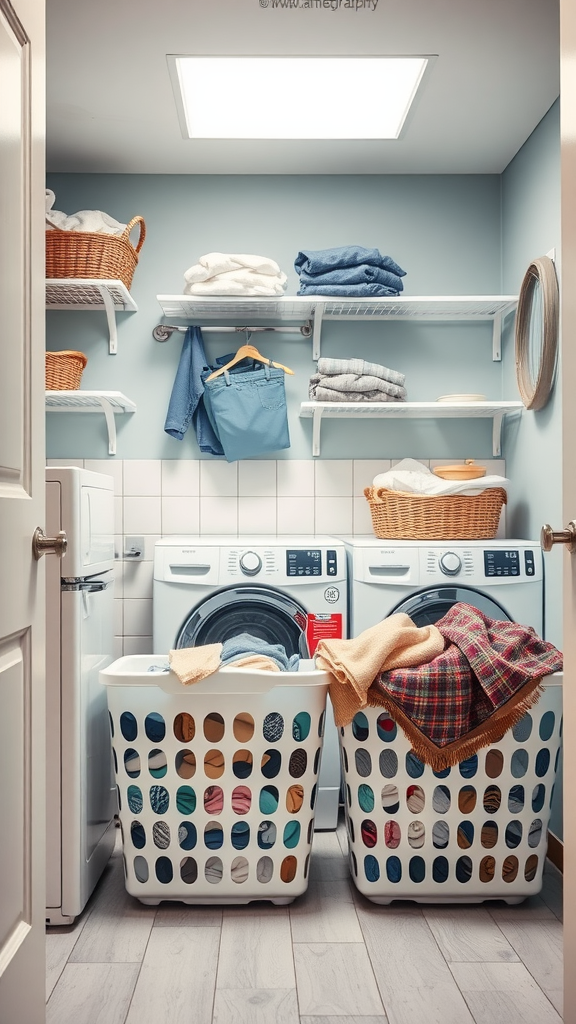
column 502, row 578
column 287, row 590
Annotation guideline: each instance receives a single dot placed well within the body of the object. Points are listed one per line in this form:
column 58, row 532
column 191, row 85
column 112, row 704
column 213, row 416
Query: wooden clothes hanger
column 249, row 352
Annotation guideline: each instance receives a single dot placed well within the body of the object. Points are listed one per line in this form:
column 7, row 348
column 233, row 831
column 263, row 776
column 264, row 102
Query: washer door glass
column 267, row 614
column 428, row 606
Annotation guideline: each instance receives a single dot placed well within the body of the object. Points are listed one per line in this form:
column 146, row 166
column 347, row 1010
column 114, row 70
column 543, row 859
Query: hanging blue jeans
column 247, row 408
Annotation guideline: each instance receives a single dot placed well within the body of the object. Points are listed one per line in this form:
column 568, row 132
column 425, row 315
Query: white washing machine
column 287, row 590
column 502, row 578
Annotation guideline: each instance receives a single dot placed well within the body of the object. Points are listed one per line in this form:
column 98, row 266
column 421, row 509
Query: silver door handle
column 549, row 537
column 43, row 545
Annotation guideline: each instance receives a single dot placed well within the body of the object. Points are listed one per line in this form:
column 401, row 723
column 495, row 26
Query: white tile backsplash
column 333, row 515
column 333, row 478
column 218, row 479
column 180, row 515
column 296, row 478
column 295, row 515
column 362, row 520
column 257, row 479
column 257, row 515
column 142, row 515
column 180, row 478
column 137, row 645
column 219, row 515
column 137, row 617
column 137, row 579
column 364, row 472
column 142, row 477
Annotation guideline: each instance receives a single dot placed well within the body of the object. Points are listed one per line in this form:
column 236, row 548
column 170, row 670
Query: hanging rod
column 162, row 332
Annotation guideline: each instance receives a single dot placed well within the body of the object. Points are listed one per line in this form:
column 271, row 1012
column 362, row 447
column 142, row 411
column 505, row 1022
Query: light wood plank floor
column 331, row 957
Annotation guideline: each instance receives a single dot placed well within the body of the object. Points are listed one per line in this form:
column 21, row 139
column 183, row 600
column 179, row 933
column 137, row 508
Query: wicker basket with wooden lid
column 64, row 370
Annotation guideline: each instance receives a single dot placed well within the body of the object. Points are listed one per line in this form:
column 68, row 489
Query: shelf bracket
column 110, row 423
column 316, row 424
column 497, row 337
column 497, row 434
column 317, row 330
column 111, row 318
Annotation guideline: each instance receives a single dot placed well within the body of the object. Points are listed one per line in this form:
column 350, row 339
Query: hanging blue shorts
column 247, row 408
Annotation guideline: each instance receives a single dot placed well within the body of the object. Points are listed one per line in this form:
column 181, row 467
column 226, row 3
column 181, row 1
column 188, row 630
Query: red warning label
column 323, row 627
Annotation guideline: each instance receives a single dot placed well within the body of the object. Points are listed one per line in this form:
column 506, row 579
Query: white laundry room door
column 22, row 458
column 568, row 327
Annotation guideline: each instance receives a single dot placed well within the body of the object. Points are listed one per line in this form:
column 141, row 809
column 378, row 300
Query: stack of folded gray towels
column 354, row 380
column 350, row 270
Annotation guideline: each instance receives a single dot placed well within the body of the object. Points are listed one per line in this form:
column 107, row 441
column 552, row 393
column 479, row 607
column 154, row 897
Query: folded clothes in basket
column 413, row 477
column 191, row 664
column 469, row 695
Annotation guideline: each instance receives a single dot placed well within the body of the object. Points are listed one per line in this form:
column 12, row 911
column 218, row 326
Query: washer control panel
column 450, row 563
column 250, row 563
column 505, row 562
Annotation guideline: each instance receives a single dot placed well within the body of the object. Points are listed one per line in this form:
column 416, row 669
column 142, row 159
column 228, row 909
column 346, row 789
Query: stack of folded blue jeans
column 350, row 270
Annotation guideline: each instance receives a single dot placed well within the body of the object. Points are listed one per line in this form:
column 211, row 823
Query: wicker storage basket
column 64, row 370
column 435, row 517
column 90, row 254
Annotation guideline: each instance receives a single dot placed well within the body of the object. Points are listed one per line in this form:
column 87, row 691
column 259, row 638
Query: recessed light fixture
column 294, row 97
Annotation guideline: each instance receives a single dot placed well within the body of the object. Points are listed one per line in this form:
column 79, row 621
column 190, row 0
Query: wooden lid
column 463, row 471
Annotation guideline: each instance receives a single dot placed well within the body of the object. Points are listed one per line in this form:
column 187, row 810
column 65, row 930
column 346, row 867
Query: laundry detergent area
column 335, row 632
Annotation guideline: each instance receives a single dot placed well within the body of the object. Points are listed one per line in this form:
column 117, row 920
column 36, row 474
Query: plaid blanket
column 469, row 695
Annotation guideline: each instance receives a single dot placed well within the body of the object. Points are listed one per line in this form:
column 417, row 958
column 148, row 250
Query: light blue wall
column 530, row 228
column 444, row 230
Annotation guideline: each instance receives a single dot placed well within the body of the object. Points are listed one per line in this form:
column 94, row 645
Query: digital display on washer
column 303, row 563
column 501, row 563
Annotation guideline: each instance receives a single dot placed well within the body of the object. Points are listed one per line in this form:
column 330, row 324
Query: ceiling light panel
column 295, row 97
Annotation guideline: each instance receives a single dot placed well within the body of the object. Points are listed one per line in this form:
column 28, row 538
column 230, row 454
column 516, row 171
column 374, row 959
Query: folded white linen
column 412, row 477
column 96, row 221
column 239, row 282
column 215, row 263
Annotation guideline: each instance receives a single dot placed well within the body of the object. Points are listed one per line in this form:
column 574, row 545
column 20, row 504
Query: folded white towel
column 239, row 282
column 412, row 477
column 214, row 263
column 97, row 221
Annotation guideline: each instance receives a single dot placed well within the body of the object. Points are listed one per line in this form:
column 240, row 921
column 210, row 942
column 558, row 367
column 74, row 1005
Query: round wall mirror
column 537, row 332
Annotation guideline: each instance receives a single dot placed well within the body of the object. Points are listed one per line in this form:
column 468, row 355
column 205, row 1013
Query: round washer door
column 427, row 606
column 263, row 612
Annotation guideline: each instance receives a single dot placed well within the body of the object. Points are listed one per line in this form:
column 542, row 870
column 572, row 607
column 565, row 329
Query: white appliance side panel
column 96, row 527
column 88, row 789
column 87, row 516
column 53, row 775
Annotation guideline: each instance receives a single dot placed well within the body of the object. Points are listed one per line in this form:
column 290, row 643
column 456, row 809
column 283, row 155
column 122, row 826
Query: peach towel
column 396, row 642
column 191, row 664
column 257, row 661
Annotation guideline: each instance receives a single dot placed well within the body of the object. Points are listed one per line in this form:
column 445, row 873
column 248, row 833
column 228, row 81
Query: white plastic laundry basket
column 216, row 781
column 474, row 832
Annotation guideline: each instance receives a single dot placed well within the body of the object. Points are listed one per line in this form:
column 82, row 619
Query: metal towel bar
column 162, row 332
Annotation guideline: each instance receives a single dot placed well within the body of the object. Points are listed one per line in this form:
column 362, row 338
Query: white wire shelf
column 107, row 402
column 303, row 308
column 409, row 410
column 83, row 294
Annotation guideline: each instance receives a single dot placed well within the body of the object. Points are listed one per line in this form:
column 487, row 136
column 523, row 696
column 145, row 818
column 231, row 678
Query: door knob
column 43, row 545
column 548, row 537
